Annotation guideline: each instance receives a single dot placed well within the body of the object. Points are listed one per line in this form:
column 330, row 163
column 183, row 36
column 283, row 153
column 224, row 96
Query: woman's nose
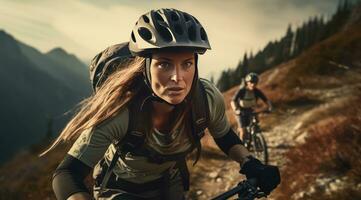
column 176, row 74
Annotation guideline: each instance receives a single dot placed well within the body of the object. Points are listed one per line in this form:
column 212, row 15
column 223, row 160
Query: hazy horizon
column 84, row 27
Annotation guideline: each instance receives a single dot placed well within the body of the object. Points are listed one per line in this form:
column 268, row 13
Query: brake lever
column 252, row 191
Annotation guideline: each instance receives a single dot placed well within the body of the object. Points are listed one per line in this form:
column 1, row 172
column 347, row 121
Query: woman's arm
column 234, row 103
column 239, row 153
column 68, row 179
column 231, row 145
column 85, row 153
column 266, row 103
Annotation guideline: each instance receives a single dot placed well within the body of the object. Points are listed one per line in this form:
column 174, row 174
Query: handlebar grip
column 253, row 182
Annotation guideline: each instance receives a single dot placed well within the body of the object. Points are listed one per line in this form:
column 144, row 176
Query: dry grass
column 333, row 147
column 324, row 63
column 29, row 177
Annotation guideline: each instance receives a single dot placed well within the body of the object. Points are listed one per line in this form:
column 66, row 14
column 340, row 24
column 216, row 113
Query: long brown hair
column 113, row 95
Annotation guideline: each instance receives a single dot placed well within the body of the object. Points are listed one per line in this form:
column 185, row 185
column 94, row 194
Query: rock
column 333, row 187
column 298, row 125
column 213, row 174
column 300, row 139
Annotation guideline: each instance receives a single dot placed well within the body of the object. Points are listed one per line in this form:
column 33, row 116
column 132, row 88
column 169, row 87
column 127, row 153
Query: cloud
column 87, row 27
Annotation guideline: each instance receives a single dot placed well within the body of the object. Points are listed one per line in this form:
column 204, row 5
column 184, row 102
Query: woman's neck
column 161, row 108
column 161, row 115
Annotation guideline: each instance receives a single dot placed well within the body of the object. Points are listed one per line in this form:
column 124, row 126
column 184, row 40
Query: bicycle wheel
column 260, row 148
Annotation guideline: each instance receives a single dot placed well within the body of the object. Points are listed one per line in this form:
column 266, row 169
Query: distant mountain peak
column 2, row 31
column 57, row 51
column 8, row 44
column 60, row 55
column 5, row 35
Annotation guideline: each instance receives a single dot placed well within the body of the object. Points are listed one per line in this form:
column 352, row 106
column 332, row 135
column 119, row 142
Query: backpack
column 105, row 63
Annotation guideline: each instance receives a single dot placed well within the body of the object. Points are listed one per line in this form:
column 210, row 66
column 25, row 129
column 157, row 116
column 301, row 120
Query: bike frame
column 256, row 138
column 254, row 127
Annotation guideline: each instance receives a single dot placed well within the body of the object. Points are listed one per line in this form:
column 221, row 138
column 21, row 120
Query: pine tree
column 287, row 40
column 245, row 64
column 224, row 81
column 292, row 44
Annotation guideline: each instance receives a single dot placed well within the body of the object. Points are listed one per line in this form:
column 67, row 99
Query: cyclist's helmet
column 252, row 77
column 167, row 28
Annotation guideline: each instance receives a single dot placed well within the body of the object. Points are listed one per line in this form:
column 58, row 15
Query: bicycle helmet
column 252, row 77
column 167, row 28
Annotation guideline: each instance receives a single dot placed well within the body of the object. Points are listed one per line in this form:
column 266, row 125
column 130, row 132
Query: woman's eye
column 188, row 65
column 164, row 65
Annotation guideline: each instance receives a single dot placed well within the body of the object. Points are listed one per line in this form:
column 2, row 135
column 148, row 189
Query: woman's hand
column 268, row 176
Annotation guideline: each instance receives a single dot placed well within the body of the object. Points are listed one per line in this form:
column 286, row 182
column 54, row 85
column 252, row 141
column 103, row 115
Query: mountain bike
column 256, row 143
column 246, row 190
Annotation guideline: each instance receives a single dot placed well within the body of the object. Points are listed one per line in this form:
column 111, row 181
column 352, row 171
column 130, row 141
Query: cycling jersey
column 91, row 146
column 245, row 99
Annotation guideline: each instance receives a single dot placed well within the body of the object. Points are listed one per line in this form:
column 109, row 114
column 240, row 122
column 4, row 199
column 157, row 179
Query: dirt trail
column 215, row 173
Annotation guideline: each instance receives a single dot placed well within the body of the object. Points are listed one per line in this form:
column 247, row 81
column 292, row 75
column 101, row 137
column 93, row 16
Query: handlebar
column 238, row 112
column 246, row 190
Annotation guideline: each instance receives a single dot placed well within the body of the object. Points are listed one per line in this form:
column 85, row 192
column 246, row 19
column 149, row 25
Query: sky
column 86, row 27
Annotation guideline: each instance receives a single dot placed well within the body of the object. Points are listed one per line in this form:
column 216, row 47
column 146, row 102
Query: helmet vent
column 158, row 17
column 167, row 28
column 186, row 17
column 145, row 18
column 145, row 33
column 192, row 33
column 165, row 33
column 203, row 34
column 133, row 37
column 174, row 16
column 178, row 29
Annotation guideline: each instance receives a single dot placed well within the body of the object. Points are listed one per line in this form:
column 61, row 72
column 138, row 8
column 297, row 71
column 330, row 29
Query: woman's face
column 172, row 75
column 251, row 85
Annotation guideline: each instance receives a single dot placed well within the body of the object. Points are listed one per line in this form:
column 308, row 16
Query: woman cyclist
column 149, row 108
column 244, row 103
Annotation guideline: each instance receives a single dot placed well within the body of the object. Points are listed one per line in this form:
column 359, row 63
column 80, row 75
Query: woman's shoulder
column 211, row 90
column 218, row 124
column 116, row 125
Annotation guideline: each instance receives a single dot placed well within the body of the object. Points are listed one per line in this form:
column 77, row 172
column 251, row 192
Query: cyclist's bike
column 246, row 190
column 256, row 144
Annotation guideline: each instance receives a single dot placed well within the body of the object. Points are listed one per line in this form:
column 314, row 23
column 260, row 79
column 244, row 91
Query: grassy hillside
column 323, row 87
column 314, row 134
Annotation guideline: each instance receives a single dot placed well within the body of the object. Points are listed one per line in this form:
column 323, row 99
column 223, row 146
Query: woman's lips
column 175, row 90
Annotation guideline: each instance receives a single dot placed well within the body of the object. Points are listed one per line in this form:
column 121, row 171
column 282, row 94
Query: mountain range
column 36, row 90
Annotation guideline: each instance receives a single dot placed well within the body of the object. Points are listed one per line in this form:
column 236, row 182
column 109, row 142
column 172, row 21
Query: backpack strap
column 109, row 171
column 200, row 116
column 134, row 139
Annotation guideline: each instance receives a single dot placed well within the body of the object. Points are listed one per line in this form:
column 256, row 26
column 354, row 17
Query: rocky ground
column 283, row 129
